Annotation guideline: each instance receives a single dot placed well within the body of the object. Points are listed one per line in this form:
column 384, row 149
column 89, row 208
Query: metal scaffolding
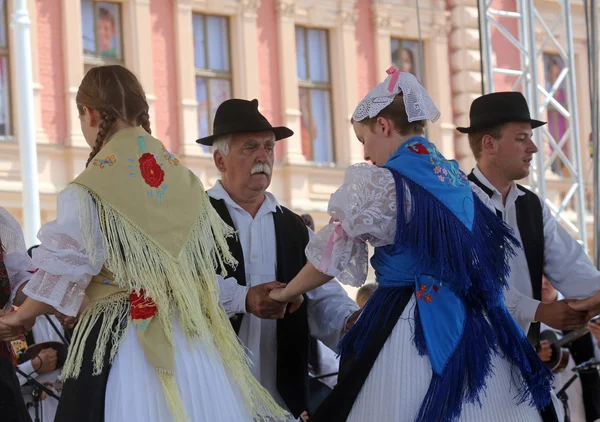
column 531, row 45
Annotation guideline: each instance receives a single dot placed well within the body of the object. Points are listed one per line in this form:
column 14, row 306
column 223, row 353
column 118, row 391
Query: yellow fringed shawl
column 163, row 239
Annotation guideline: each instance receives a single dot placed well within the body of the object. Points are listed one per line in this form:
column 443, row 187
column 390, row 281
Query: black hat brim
column 471, row 129
column 281, row 132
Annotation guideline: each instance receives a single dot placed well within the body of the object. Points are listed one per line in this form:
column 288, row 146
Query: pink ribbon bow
column 336, row 236
column 395, row 75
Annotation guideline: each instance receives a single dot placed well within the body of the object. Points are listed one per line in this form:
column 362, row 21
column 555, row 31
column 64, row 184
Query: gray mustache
column 261, row 168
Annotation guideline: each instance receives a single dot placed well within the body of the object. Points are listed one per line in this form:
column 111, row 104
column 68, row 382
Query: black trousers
column 354, row 372
column 12, row 406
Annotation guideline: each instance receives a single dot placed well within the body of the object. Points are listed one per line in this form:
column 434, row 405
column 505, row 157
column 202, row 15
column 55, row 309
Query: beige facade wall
column 450, row 35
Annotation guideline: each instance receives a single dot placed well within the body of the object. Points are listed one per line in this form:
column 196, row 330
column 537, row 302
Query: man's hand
column 545, row 352
column 260, row 304
column 66, row 321
column 560, row 316
column 46, row 361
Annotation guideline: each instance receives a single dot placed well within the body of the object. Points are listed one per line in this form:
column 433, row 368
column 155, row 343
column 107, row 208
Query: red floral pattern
column 418, row 149
column 425, row 292
column 141, row 306
column 151, row 171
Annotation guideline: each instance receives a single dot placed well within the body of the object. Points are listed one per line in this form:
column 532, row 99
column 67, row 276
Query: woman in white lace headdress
column 435, row 341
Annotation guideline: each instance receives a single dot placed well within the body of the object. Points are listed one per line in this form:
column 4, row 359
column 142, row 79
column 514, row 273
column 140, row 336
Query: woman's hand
column 281, row 295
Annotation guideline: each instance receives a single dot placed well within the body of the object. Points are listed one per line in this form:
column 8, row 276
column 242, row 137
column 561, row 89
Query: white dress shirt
column 566, row 265
column 328, row 306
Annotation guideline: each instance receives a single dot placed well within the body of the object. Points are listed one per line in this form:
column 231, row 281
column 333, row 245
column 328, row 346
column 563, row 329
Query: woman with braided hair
column 133, row 252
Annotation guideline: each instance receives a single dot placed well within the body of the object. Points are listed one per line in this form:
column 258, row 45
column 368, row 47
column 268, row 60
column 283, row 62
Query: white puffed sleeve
column 363, row 210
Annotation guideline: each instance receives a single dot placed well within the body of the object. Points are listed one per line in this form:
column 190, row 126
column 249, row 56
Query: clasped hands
column 270, row 301
column 9, row 330
column 568, row 314
column 14, row 324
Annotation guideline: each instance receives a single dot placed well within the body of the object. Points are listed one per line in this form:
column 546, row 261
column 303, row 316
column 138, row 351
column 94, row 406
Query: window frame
column 209, row 74
column 321, row 86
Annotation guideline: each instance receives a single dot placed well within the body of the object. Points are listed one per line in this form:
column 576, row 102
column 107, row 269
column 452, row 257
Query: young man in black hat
column 500, row 136
column 269, row 246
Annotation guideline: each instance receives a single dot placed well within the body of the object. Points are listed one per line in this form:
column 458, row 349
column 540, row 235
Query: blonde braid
column 106, row 122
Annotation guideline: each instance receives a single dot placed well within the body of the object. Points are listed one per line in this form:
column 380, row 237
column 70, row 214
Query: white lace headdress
column 418, row 104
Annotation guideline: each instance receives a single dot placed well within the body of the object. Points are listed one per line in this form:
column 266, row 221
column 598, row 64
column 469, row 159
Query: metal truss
column 555, row 35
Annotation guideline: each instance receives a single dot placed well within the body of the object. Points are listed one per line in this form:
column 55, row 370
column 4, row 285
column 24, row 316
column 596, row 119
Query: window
column 5, row 118
column 406, row 56
column 557, row 122
column 314, row 82
column 213, row 68
column 101, row 33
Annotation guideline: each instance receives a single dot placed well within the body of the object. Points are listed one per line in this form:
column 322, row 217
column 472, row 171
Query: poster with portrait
column 406, row 57
column 101, row 29
column 108, row 30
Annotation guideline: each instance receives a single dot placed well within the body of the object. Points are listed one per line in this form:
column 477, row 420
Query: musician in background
column 574, row 392
column 43, row 367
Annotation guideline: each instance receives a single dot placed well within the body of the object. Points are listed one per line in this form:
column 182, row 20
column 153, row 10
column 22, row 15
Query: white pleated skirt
column 134, row 391
column 399, row 380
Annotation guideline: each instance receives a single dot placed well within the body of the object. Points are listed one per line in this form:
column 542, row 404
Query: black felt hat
column 242, row 116
column 494, row 109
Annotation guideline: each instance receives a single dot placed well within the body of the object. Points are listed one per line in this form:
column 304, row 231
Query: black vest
column 530, row 221
column 291, row 237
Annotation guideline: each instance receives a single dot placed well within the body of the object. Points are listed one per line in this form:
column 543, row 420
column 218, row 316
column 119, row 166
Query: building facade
column 309, row 62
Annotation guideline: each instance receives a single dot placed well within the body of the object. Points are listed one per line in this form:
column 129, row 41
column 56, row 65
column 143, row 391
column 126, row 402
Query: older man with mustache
column 269, row 246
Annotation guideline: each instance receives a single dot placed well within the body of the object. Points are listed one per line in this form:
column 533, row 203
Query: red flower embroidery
column 141, row 306
column 418, row 149
column 151, row 171
column 418, row 295
column 435, row 288
column 428, row 298
column 423, row 288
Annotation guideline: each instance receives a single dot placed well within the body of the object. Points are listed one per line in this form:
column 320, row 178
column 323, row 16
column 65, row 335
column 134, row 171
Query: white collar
column 485, row 182
column 270, row 204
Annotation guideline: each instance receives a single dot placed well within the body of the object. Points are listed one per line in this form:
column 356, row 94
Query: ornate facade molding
column 286, row 8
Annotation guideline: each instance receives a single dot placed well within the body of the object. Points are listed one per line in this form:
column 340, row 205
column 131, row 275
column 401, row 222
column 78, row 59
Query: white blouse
column 65, row 268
